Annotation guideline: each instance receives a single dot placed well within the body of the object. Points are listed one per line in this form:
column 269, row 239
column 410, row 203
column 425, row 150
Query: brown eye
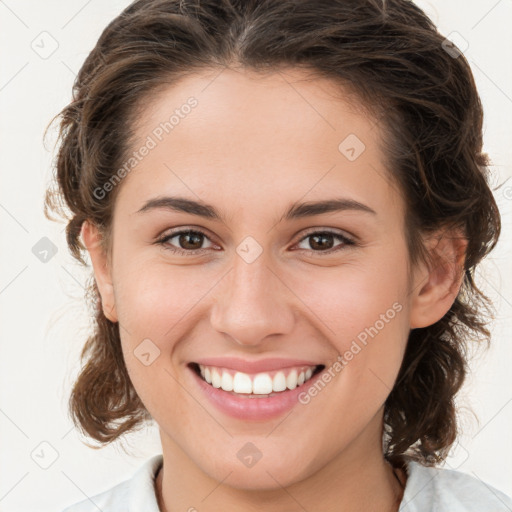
column 186, row 242
column 324, row 241
column 190, row 240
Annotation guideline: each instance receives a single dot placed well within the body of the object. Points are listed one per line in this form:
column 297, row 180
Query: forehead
column 245, row 135
column 249, row 110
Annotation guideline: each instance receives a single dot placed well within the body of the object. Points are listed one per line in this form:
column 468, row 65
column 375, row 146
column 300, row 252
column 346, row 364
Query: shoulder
column 137, row 493
column 431, row 489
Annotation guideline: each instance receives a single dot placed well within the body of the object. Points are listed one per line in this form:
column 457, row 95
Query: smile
column 263, row 384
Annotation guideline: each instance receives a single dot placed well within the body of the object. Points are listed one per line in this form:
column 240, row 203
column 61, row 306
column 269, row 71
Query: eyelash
column 163, row 241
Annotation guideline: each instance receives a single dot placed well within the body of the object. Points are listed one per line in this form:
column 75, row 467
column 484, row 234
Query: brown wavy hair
column 389, row 53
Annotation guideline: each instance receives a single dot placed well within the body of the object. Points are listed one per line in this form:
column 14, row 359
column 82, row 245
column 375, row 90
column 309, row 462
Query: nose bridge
column 251, row 302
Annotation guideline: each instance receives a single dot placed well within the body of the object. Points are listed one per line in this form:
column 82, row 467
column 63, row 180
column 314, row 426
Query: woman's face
column 263, row 278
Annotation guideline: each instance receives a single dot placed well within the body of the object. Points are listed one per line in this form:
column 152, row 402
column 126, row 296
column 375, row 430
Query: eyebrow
column 296, row 211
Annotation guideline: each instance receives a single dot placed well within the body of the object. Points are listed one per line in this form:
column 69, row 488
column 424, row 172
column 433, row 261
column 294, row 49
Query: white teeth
column 291, row 380
column 216, row 379
column 260, row 384
column 226, row 382
column 279, row 382
column 242, row 383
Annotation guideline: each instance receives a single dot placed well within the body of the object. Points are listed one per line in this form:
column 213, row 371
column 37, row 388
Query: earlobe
column 435, row 286
column 92, row 240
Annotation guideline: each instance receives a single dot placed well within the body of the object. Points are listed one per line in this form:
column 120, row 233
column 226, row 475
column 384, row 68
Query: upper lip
column 255, row 366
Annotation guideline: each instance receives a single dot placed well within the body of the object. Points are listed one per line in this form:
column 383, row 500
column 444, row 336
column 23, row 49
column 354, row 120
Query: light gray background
column 43, row 318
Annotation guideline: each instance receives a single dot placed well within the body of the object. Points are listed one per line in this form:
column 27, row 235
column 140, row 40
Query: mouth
column 259, row 385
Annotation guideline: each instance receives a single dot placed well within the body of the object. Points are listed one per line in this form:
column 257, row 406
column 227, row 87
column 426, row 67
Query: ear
column 92, row 240
column 435, row 285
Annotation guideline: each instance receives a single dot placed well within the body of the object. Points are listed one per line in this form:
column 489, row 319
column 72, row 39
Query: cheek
column 355, row 301
column 152, row 298
column 363, row 311
column 155, row 303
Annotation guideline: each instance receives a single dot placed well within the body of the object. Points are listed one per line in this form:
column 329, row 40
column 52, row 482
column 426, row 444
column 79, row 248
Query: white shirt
column 426, row 490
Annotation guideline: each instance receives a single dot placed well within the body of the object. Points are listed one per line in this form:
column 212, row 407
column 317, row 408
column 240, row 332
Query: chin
column 259, row 480
column 267, row 474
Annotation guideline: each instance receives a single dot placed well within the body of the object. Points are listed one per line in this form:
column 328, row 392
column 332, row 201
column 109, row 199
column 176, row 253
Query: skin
column 253, row 146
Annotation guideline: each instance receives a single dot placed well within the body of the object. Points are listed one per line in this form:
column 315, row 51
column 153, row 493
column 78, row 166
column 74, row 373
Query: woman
column 284, row 203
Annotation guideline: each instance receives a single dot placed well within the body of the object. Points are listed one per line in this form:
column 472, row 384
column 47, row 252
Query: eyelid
column 331, row 231
column 170, row 232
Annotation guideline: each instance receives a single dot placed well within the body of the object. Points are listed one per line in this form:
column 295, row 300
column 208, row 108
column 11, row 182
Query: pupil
column 320, row 245
column 196, row 238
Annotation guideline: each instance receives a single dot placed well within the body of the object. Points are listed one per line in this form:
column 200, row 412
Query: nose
column 252, row 303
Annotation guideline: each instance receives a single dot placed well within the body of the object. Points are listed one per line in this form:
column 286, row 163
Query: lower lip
column 243, row 407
